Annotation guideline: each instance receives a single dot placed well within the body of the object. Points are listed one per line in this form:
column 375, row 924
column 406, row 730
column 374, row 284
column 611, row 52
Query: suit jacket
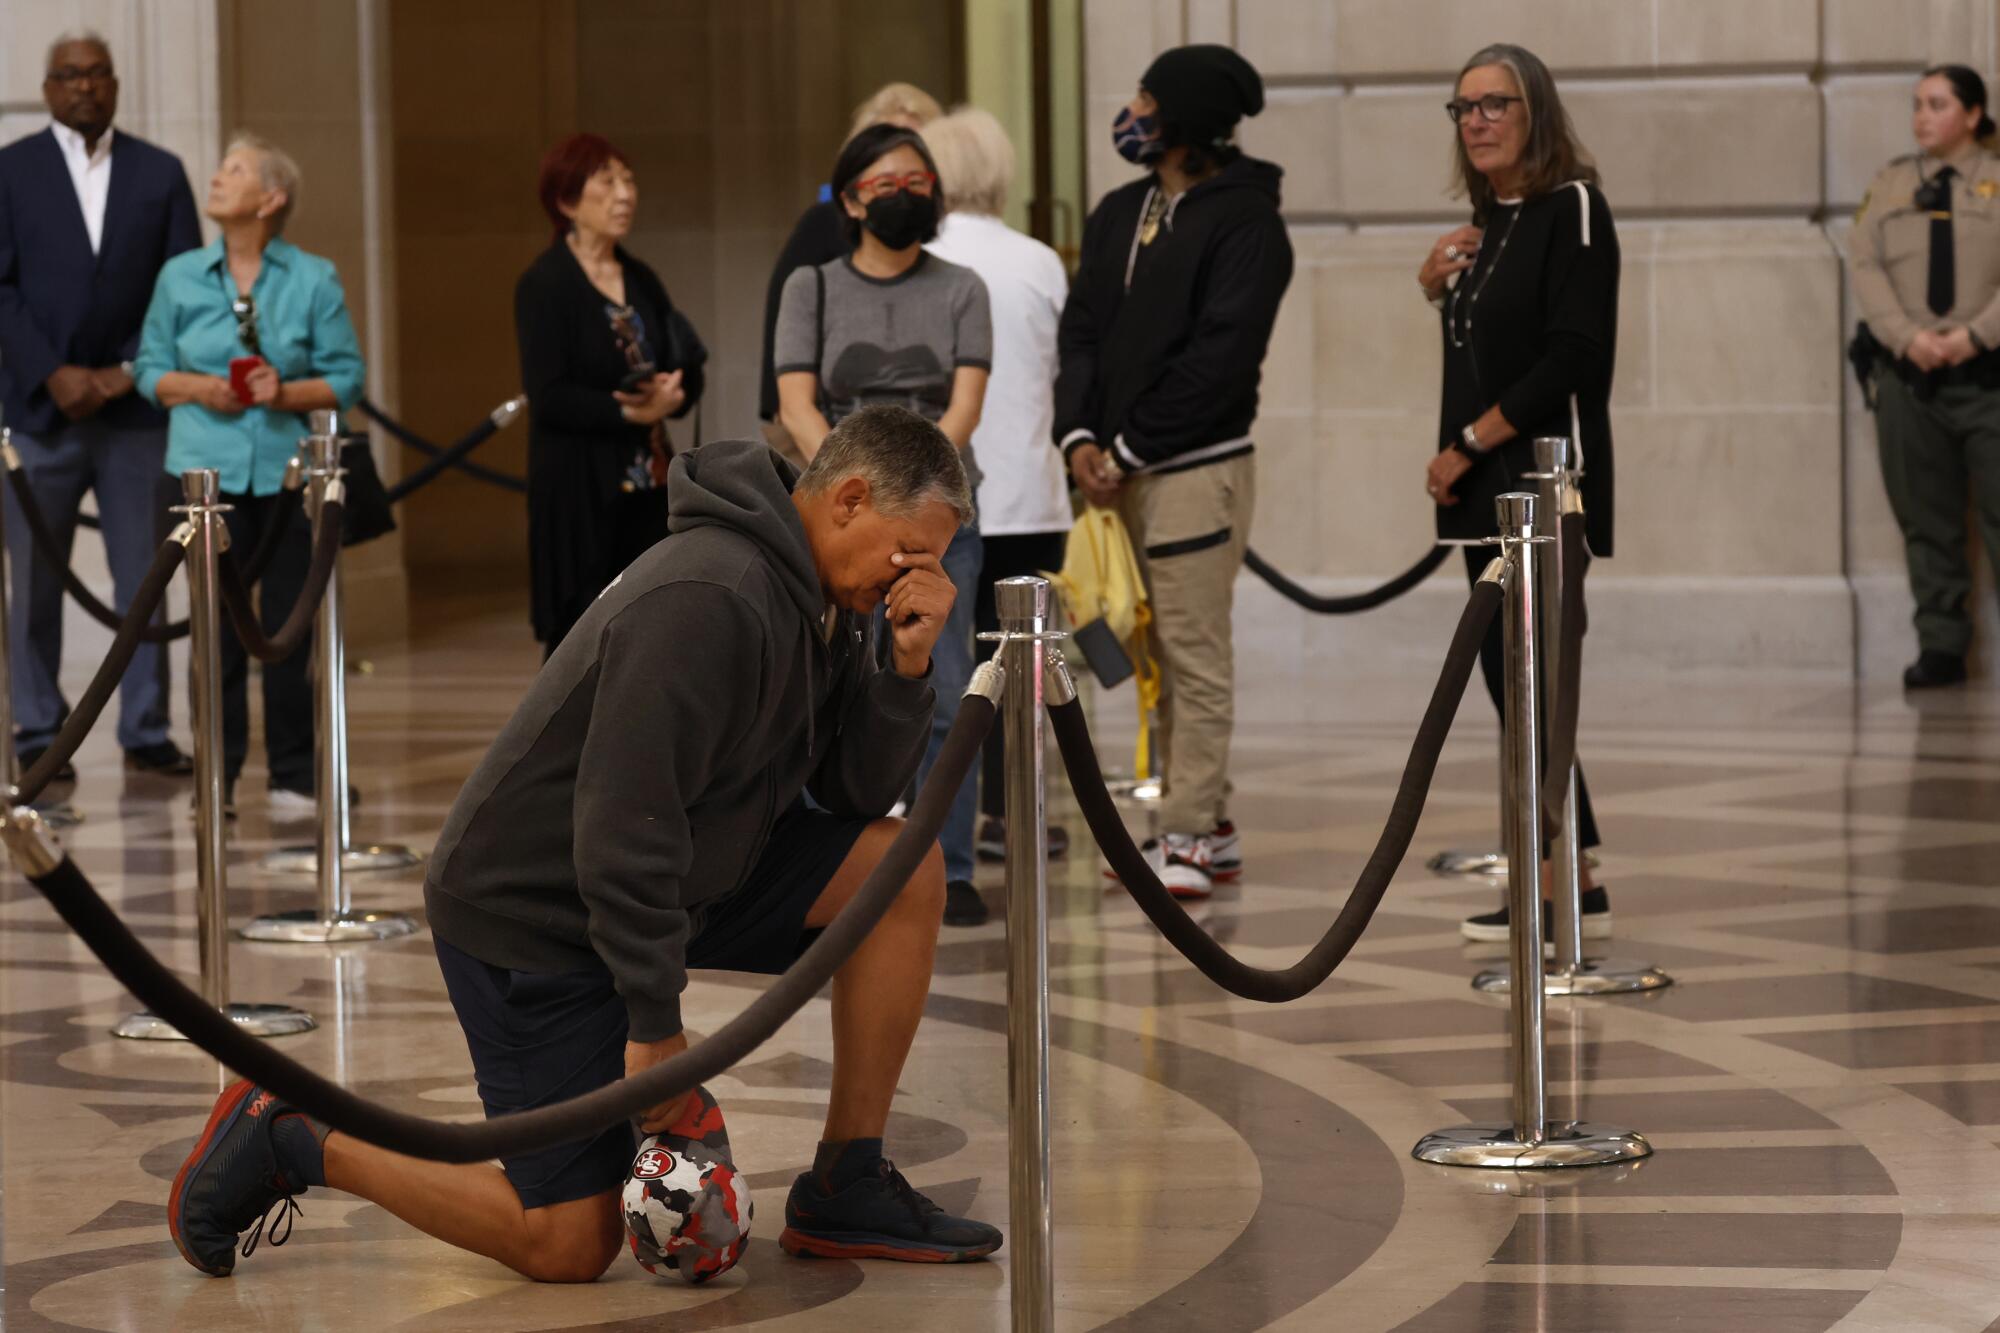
column 59, row 303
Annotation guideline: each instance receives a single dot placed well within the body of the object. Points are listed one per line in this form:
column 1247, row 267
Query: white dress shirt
column 90, row 173
column 1024, row 486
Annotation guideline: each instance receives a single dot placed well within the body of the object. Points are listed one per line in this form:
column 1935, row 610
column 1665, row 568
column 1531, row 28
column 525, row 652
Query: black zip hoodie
column 642, row 773
column 1161, row 345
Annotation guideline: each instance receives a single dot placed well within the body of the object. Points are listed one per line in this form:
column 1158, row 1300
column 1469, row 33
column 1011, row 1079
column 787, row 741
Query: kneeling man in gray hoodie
column 645, row 812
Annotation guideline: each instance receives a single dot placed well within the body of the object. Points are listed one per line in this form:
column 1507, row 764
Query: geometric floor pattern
column 1815, row 864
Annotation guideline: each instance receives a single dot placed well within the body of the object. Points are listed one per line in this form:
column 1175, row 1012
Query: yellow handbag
column 1104, row 596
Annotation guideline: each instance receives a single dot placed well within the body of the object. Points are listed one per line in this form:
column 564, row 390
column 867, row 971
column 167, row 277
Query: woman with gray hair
column 1024, row 508
column 242, row 339
column 1527, row 296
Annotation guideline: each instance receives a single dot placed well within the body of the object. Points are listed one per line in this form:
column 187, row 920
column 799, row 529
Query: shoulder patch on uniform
column 1987, row 189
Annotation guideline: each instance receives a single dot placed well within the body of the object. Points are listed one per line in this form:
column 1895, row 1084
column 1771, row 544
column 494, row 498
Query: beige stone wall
column 1735, row 138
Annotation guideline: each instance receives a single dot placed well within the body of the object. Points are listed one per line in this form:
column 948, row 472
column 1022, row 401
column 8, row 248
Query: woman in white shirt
column 1024, row 507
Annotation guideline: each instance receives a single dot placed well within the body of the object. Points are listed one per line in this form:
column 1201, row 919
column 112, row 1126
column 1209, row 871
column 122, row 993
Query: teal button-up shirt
column 303, row 330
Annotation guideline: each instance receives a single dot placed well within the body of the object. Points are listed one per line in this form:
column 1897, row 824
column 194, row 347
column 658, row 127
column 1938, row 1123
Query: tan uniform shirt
column 1891, row 250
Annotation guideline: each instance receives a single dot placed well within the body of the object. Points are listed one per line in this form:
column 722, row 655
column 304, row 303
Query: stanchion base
column 259, row 1020
column 374, row 856
column 1492, row 865
column 1461, row 862
column 58, row 814
column 1597, row 976
column 307, row 926
column 1494, row 1146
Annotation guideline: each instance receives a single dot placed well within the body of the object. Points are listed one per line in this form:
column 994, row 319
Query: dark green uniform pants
column 1933, row 452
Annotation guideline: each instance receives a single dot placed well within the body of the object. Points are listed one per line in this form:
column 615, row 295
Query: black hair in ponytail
column 1970, row 90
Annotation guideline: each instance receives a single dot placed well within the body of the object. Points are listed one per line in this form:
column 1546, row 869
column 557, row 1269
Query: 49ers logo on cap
column 652, row 1164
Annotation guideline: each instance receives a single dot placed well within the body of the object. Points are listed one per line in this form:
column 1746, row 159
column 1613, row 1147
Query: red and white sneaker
column 1182, row 861
column 1225, row 851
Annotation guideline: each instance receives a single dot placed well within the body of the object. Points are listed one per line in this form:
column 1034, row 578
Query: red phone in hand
column 239, row 376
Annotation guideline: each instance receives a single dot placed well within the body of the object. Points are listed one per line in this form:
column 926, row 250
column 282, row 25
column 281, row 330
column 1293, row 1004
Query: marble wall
column 1735, row 139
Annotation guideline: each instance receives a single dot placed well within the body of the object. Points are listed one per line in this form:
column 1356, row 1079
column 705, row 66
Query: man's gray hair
column 905, row 459
column 275, row 168
column 91, row 35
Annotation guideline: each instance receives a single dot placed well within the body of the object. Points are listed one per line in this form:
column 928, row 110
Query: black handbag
column 368, row 512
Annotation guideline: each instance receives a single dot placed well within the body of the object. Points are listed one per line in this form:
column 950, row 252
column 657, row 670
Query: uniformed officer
column 1926, row 260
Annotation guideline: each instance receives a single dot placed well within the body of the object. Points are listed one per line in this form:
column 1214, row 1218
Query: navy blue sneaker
column 878, row 1217
column 231, row 1182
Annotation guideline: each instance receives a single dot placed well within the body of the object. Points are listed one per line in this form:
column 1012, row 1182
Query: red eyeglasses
column 880, row 187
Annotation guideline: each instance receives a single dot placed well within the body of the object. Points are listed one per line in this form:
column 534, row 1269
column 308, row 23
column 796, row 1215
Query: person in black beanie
column 1159, row 353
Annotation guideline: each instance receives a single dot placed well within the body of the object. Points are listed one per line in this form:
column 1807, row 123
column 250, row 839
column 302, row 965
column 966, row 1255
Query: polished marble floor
column 1814, row 863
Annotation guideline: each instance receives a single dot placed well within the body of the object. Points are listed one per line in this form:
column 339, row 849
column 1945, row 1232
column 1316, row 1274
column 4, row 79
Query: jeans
column 951, row 671
column 122, row 465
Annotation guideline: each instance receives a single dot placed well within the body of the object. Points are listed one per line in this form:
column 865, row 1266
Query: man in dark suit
column 86, row 220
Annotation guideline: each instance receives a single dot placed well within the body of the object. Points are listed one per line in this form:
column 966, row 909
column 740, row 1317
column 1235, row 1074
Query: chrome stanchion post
column 1530, row 1140
column 334, row 920
column 56, row 814
column 206, row 539
column 1023, row 607
column 1569, row 972
column 10, row 761
column 1552, row 484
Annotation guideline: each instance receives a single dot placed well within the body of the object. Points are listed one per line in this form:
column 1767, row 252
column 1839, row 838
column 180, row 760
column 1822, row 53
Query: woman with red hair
column 606, row 360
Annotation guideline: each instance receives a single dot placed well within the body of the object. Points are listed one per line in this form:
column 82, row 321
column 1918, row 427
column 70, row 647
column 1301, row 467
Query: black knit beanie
column 1203, row 91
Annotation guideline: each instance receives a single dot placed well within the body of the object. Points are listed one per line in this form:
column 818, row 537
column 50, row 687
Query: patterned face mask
column 1137, row 138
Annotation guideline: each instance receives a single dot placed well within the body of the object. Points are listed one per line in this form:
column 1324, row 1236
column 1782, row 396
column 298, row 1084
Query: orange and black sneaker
column 233, row 1181
column 878, row 1216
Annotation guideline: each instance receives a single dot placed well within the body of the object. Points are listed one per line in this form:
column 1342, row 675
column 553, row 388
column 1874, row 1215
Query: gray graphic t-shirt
column 887, row 340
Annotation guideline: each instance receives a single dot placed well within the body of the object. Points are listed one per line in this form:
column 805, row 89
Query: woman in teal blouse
column 253, row 294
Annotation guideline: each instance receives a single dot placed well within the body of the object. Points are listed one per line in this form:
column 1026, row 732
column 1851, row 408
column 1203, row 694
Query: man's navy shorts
column 538, row 1037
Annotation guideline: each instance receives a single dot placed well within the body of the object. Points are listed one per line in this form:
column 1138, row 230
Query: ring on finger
column 1451, row 252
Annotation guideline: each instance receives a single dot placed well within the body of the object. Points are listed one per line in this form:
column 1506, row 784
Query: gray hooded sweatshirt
column 680, row 716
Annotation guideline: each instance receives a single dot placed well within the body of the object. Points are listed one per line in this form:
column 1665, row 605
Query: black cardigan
column 1543, row 337
column 579, row 444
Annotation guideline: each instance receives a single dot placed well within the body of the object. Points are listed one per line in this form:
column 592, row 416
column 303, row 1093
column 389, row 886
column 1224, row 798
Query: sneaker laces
column 286, row 1206
column 920, row 1207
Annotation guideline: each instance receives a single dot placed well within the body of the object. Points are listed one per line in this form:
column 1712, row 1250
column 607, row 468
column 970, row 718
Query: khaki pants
column 1935, row 453
column 1190, row 529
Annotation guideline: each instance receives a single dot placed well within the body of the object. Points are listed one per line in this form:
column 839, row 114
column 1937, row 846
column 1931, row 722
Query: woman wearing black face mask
column 888, row 322
column 891, row 323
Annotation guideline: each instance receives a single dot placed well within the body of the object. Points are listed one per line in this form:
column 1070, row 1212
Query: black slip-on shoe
column 165, row 759
column 1493, row 925
column 962, row 904
column 27, row 759
column 1933, row 670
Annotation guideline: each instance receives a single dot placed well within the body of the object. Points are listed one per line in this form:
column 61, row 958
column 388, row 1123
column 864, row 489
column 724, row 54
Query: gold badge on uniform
column 1986, row 189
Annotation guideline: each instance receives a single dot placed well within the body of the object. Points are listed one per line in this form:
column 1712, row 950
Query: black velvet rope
column 442, row 458
column 235, row 594
column 1342, row 606
column 45, row 541
column 135, row 967
column 110, row 671
column 1276, row 985
column 1567, row 673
